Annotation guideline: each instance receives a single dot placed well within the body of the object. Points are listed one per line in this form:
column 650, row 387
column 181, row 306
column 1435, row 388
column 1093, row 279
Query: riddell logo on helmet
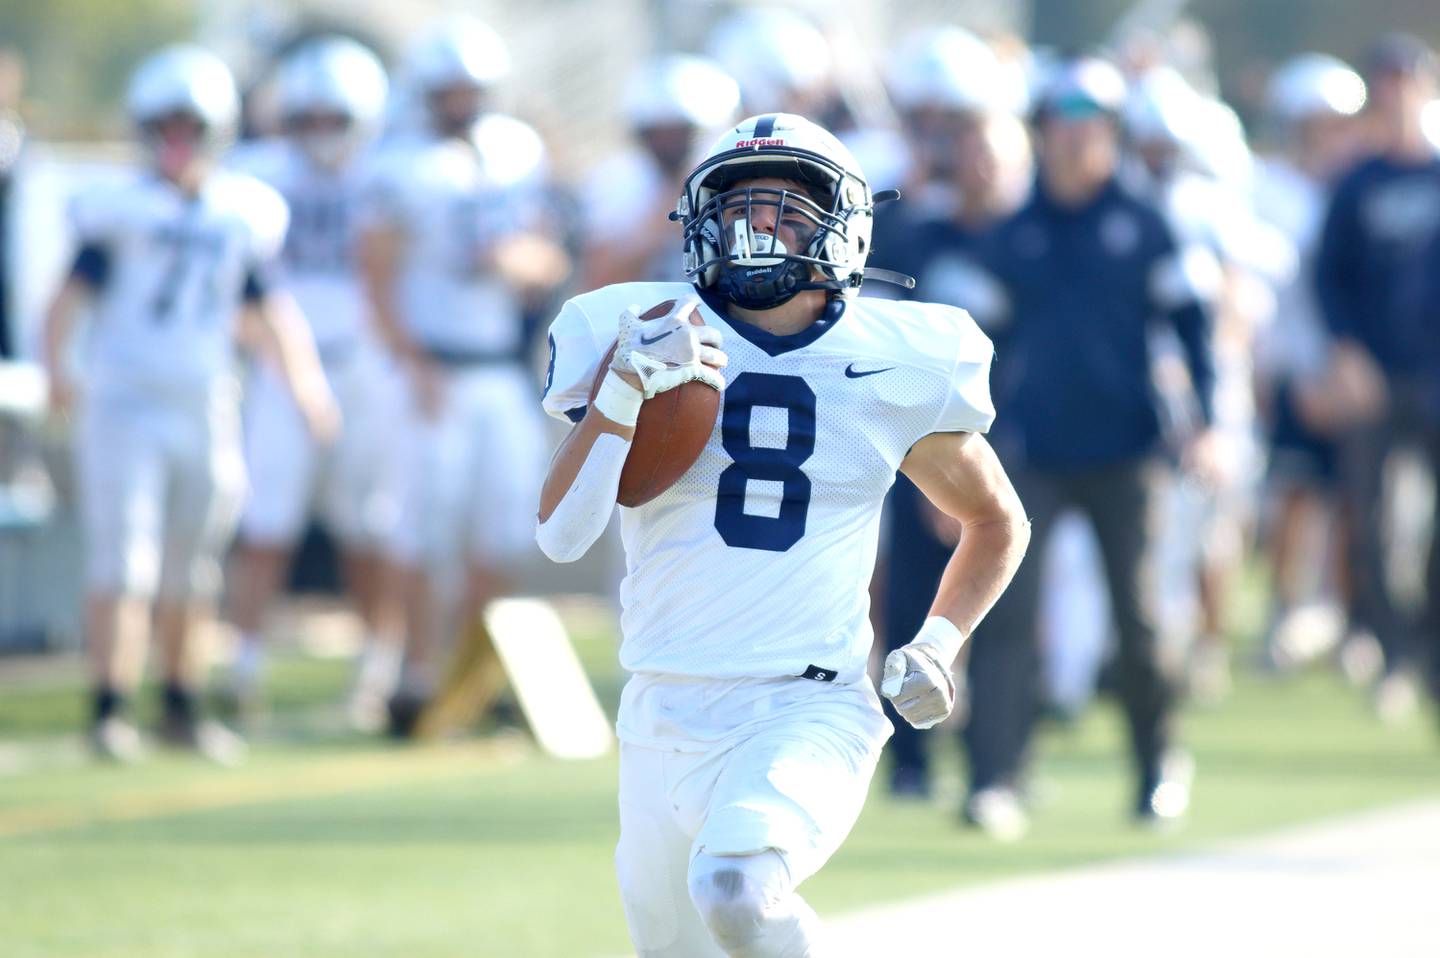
column 766, row 141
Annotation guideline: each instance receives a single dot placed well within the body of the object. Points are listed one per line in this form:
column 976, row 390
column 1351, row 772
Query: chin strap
column 890, row 276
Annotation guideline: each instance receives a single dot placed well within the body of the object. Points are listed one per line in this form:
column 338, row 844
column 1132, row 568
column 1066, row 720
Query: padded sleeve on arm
column 585, row 510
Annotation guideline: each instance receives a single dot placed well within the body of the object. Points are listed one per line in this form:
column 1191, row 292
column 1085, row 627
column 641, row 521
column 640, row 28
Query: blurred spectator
column 1374, row 281
column 671, row 104
column 1088, row 268
column 454, row 237
column 330, row 99
column 1311, row 108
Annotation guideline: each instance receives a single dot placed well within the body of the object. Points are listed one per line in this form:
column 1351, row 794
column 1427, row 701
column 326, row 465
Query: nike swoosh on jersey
column 647, row 342
column 852, row 373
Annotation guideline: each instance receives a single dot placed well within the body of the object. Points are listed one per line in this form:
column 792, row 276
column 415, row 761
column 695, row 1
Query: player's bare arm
column 274, row 327
column 960, row 474
column 378, row 252
column 59, row 327
column 530, row 262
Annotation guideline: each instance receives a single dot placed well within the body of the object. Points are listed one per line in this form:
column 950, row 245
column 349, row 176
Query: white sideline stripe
column 1362, row 885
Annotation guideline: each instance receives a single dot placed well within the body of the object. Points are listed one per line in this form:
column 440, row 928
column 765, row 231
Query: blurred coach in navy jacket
column 1087, row 270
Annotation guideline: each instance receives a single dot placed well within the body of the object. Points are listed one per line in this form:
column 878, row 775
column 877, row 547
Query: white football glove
column 668, row 351
column 921, row 689
column 917, row 678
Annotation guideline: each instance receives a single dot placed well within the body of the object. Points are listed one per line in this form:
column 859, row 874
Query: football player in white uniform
column 1314, row 104
column 331, row 98
column 674, row 104
column 750, row 728
column 170, row 262
column 452, row 239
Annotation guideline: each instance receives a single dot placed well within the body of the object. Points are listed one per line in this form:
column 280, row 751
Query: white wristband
column 941, row 636
column 618, row 401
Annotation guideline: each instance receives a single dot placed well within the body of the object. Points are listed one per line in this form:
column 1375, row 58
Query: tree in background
column 80, row 53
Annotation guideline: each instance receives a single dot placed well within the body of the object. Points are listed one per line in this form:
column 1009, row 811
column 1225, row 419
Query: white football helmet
column 1079, row 87
column 461, row 51
column 1162, row 107
column 1314, row 84
column 948, row 68
column 331, row 77
column 681, row 89
column 774, row 53
column 189, row 80
column 829, row 229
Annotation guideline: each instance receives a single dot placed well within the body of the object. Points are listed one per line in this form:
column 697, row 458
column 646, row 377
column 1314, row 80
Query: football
column 672, row 429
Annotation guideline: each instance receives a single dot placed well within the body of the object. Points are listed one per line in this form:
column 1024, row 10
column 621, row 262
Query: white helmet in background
column 681, row 90
column 461, row 51
column 185, row 79
column 1162, row 107
column 948, row 68
column 456, row 54
column 774, row 53
column 190, row 85
column 333, row 75
column 756, row 270
column 331, row 94
column 1314, row 84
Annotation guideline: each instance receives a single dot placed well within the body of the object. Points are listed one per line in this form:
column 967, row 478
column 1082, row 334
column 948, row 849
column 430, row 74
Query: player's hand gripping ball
column 676, row 358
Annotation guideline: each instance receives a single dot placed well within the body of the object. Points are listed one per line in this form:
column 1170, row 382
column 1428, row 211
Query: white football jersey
column 757, row 562
column 1295, row 342
column 453, row 200
column 319, row 254
column 620, row 194
column 177, row 270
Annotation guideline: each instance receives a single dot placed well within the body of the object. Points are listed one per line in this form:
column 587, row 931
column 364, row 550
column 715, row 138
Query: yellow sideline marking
column 311, row 780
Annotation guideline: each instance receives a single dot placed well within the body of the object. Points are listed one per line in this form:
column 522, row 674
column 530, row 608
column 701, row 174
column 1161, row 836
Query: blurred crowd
column 1212, row 342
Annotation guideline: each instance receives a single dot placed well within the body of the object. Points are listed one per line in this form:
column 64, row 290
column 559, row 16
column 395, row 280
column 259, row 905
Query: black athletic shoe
column 404, row 711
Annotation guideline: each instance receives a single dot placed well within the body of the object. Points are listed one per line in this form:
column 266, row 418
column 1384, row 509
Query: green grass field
column 328, row 843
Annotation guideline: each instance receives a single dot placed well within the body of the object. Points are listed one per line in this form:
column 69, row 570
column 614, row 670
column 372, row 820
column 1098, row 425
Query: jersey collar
column 770, row 343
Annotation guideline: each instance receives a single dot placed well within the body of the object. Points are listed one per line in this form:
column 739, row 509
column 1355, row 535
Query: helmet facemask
column 327, row 138
column 815, row 239
column 176, row 142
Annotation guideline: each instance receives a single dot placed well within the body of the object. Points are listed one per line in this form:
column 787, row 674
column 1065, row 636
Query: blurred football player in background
column 1312, row 104
column 750, row 727
column 453, row 235
column 170, row 261
column 1194, row 164
column 330, row 95
column 670, row 104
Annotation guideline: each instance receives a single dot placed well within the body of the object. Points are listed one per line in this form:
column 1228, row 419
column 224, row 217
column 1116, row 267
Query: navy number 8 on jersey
column 743, row 530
